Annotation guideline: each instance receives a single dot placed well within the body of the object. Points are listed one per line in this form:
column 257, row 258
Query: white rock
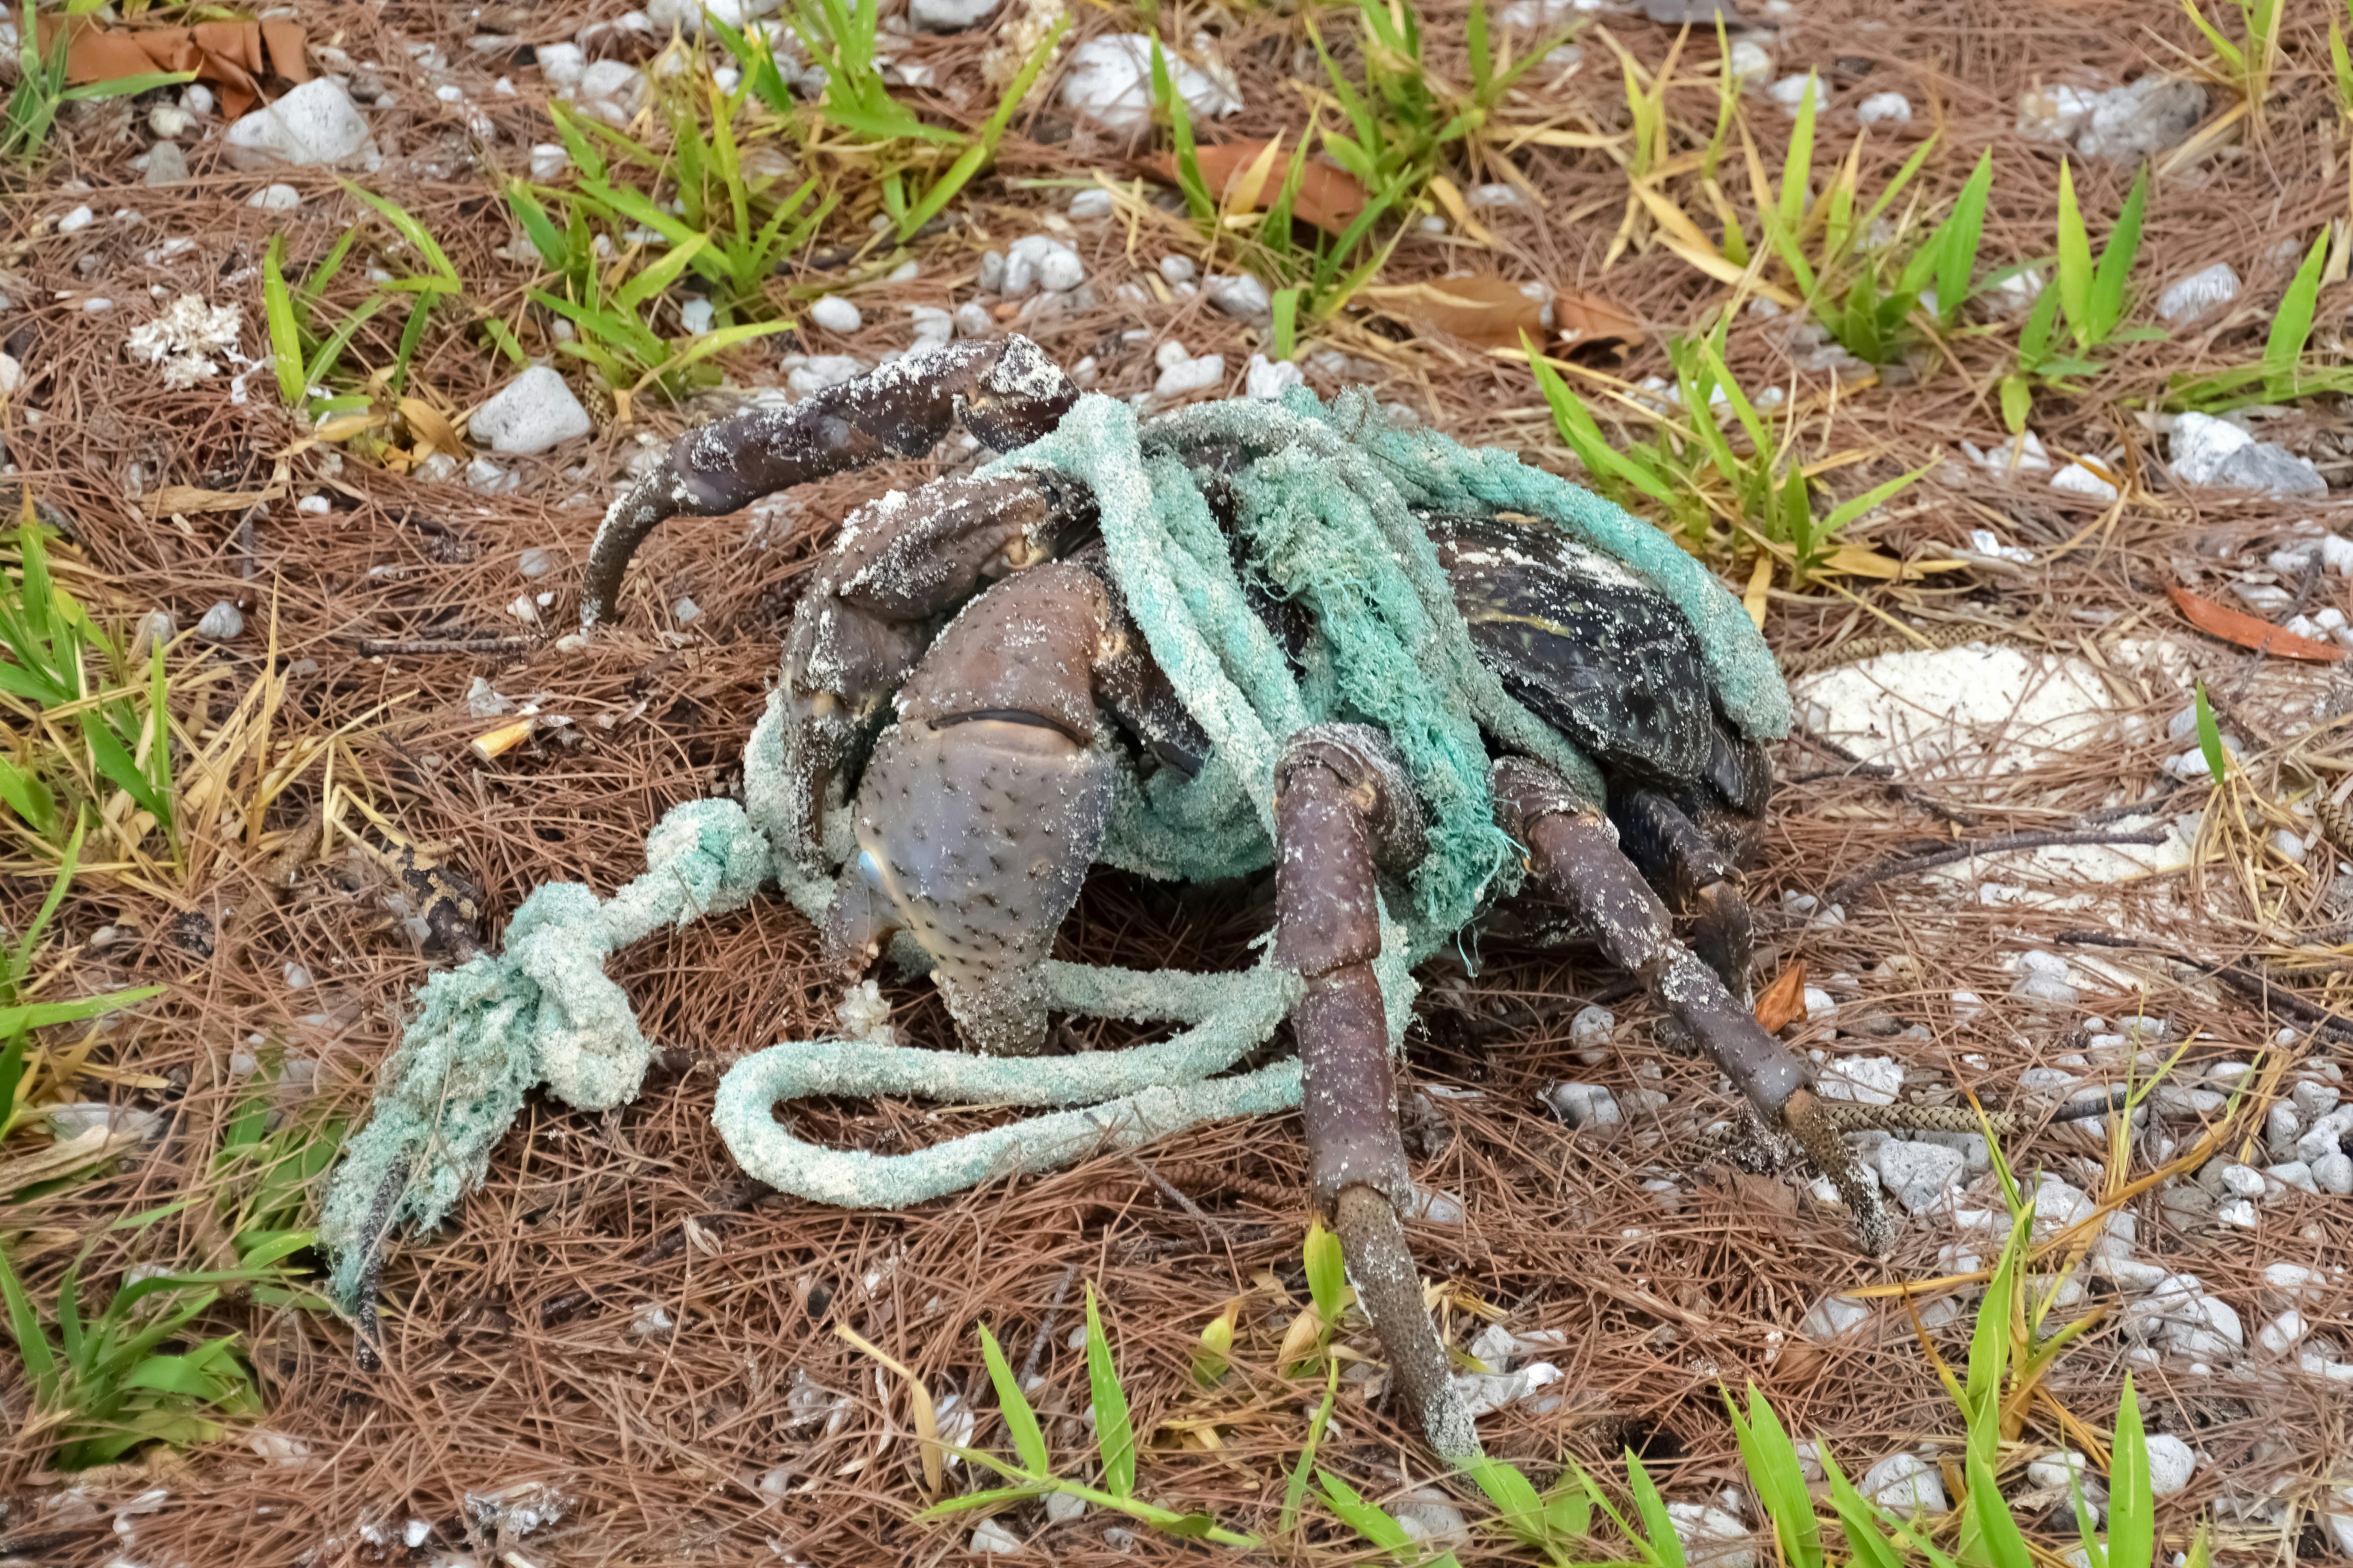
column 1919, row 1174
column 1495, row 199
column 1244, row 298
column 973, row 320
column 696, row 316
column 1904, row 1485
column 1833, row 1318
column 1109, row 80
column 275, row 199
column 1094, row 202
column 222, row 622
column 1751, row 61
column 994, row 1538
column 1818, row 1003
column 2078, row 479
column 2281, row 1336
column 279, row 1448
column 1867, row 1080
column 818, row 372
column 1426, row 1514
column 2332, row 1172
column 1268, row 380
column 615, row 86
column 548, row 160
column 2199, row 294
column 2147, row 117
column 1885, row 108
column 76, row 220
column 2289, row 1174
column 2241, row 1181
column 2053, row 113
column 1188, row 376
column 490, row 479
column 531, row 413
column 2295, row 1282
column 933, row 326
column 2171, row 1464
column 1061, row 1507
column 1583, row 1104
column 1040, row 261
column 1712, row 1538
column 2199, row 444
column 836, row 314
column 2336, row 1510
column 948, row 15
column 563, row 65
column 315, row 123
column 1791, row 91
column 1590, row 1034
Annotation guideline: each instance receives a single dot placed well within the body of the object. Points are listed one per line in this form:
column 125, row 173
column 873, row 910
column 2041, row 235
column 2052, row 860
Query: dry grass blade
column 927, row 1421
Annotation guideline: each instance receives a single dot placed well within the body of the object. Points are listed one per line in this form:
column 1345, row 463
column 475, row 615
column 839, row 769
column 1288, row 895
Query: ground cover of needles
column 613, row 1354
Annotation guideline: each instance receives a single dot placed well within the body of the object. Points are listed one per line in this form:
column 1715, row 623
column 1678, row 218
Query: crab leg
column 1344, row 809
column 1572, row 850
column 1007, row 392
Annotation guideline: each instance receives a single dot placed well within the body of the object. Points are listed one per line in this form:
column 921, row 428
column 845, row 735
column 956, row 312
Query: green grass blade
column 1666, row 1546
column 285, row 330
column 2292, row 327
column 32, row 1339
column 2108, row 305
column 1772, row 1462
column 2210, row 738
column 1957, row 239
column 1115, row 1434
column 2074, row 261
column 1362, row 1517
column 1021, row 1421
column 1295, row 1490
column 1327, row 1275
column 2132, row 1507
column 1798, row 168
column 1997, row 1532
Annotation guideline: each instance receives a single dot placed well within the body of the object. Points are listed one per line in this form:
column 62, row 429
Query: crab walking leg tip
column 1344, row 809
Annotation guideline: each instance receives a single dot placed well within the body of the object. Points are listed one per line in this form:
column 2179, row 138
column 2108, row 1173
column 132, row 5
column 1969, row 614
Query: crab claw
column 1006, row 391
column 982, row 807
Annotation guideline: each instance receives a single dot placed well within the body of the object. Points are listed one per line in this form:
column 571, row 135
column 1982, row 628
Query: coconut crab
column 991, row 680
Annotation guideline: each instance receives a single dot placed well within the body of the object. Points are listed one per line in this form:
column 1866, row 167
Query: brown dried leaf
column 1329, row 198
column 1581, row 318
column 1486, row 310
column 2247, row 631
column 1784, row 1001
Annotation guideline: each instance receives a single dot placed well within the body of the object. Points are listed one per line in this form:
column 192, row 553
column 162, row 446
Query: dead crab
column 965, row 675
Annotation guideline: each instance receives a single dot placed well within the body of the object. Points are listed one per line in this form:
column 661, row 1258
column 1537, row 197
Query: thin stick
column 1905, row 865
column 1046, row 1325
column 2253, row 982
column 1212, row 1232
column 475, row 642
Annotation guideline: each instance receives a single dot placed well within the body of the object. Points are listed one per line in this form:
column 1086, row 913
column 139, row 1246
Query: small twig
column 2130, row 808
column 2253, row 982
column 1212, row 1232
column 1896, row 789
column 476, row 642
column 1046, row 1325
column 1905, row 865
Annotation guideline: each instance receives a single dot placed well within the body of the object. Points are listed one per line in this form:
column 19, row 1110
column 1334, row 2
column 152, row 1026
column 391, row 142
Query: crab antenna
column 1006, row 391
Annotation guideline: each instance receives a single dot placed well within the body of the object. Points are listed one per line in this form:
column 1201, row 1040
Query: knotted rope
column 1324, row 502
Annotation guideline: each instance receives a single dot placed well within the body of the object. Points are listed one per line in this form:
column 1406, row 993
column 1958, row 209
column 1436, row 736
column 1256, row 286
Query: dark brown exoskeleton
column 958, row 657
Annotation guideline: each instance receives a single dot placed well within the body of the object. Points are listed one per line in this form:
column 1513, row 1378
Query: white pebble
column 697, row 316
column 1203, row 374
column 1792, row 92
column 76, row 220
column 1268, row 380
column 1092, row 204
column 836, row 314
column 275, row 198
column 1177, row 269
column 1885, row 108
column 222, row 622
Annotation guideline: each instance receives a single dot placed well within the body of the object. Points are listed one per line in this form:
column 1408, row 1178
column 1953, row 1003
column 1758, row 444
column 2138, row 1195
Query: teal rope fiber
column 1324, row 498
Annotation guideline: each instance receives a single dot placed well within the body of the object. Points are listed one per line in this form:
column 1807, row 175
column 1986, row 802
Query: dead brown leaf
column 234, row 55
column 1784, row 1001
column 2247, row 631
column 1327, row 197
column 1581, row 318
column 428, row 426
column 1486, row 309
